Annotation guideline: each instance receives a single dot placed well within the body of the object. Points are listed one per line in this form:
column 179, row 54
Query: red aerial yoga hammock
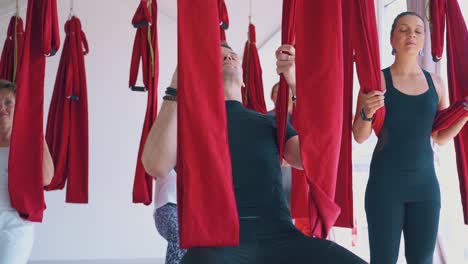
column 223, row 19
column 457, row 72
column 319, row 66
column 145, row 48
column 25, row 179
column 12, row 50
column 205, row 194
column 252, row 93
column 360, row 43
column 362, row 46
column 67, row 124
column 288, row 32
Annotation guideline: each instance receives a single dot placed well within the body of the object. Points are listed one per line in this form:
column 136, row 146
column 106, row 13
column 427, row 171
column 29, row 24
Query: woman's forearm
column 361, row 130
column 444, row 136
column 47, row 165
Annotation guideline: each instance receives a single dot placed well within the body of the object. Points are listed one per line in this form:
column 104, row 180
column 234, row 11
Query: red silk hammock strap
column 205, row 194
column 12, row 49
column 223, row 19
column 448, row 12
column 361, row 39
column 252, row 94
column 67, row 124
column 145, row 49
column 288, row 32
column 25, row 182
column 318, row 113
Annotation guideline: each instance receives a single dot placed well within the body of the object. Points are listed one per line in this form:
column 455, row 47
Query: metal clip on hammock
column 141, row 24
column 138, row 88
column 223, row 25
column 73, row 98
column 71, row 14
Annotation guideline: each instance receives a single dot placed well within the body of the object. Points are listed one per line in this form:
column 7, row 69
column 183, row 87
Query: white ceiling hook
column 72, row 11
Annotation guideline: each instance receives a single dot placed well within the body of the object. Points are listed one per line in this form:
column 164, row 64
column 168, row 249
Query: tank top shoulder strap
column 429, row 80
column 388, row 77
column 430, row 83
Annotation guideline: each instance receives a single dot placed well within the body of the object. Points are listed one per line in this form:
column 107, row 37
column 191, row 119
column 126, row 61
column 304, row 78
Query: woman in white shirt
column 165, row 197
column 165, row 216
column 16, row 234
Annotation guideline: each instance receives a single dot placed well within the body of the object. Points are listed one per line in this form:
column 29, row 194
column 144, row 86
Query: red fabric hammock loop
column 67, row 125
column 207, row 212
column 438, row 12
column 223, row 19
column 25, row 183
column 142, row 17
column 7, row 59
column 252, row 94
column 145, row 48
column 448, row 11
column 288, row 32
column 50, row 28
column 446, row 118
column 318, row 115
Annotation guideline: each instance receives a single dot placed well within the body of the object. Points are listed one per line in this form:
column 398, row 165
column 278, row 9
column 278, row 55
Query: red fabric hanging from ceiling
column 344, row 181
column 438, row 12
column 447, row 117
column 361, row 28
column 207, row 212
column 252, row 92
column 367, row 56
column 8, row 66
column 360, row 43
column 457, row 73
column 319, row 108
column 223, row 19
column 67, row 125
column 50, row 29
column 288, row 32
column 25, row 183
column 145, row 49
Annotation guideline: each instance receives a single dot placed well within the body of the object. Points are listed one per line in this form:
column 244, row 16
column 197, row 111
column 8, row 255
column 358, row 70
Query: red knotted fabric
column 438, row 12
column 288, row 32
column 319, row 65
column 366, row 48
column 252, row 93
column 50, row 28
column 12, row 50
column 67, row 124
column 145, row 49
column 457, row 73
column 344, row 181
column 360, row 25
column 205, row 195
column 447, row 117
column 223, row 19
column 299, row 194
column 360, row 42
column 25, row 179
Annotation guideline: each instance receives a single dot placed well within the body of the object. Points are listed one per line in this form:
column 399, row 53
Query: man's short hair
column 224, row 44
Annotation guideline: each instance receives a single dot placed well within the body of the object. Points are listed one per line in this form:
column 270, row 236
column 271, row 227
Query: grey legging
column 165, row 219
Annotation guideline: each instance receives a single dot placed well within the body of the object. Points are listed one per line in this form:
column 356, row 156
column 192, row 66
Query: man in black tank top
column 267, row 234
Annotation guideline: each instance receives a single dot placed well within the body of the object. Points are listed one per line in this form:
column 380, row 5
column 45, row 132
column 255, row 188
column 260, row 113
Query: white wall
column 110, row 226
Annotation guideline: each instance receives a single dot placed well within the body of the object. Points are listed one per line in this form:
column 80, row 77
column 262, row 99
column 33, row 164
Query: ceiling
column 266, row 15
